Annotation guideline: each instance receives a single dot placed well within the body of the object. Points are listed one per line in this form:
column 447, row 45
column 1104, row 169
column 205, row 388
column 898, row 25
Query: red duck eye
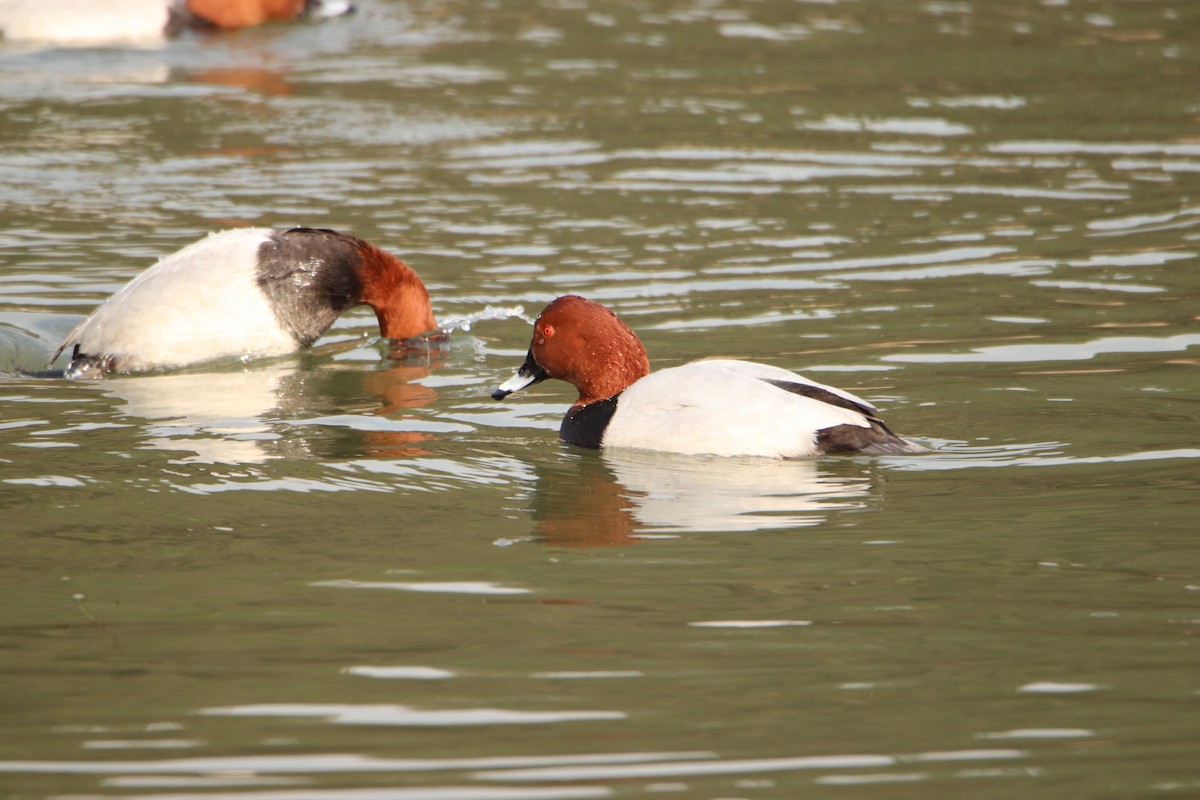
column 547, row 330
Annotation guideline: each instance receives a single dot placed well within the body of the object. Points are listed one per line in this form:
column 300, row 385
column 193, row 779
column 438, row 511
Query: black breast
column 585, row 425
column 310, row 275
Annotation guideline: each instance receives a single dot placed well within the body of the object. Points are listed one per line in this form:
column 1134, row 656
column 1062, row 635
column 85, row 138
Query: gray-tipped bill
column 530, row 373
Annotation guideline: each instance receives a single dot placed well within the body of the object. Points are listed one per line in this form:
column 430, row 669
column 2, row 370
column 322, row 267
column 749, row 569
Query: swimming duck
column 246, row 293
column 716, row 406
column 92, row 21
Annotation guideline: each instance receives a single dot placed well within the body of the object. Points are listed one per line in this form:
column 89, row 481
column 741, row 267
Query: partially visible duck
column 718, row 406
column 93, row 21
column 246, row 293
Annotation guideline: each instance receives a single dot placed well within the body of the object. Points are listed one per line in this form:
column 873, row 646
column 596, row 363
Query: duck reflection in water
column 623, row 496
column 398, row 388
column 286, row 409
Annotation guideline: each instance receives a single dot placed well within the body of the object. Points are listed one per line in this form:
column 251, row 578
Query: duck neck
column 618, row 361
column 400, row 299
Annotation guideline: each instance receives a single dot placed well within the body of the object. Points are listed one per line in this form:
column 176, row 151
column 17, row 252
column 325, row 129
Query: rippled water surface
column 351, row 573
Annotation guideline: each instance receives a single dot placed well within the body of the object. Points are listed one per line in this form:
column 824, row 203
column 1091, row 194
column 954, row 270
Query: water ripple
column 407, row 716
column 739, row 766
column 1079, row 351
column 436, row 587
column 988, row 460
column 322, row 763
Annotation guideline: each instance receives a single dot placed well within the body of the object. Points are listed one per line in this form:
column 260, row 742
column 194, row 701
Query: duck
column 245, row 293
column 719, row 407
column 98, row 21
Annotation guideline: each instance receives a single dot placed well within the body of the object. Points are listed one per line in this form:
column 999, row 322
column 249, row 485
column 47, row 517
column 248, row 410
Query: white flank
column 724, row 408
column 199, row 304
column 83, row 21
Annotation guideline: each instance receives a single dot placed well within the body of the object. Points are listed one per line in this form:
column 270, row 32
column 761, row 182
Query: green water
column 344, row 575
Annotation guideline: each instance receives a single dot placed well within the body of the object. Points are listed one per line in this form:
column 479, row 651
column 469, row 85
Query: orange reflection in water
column 587, row 509
column 397, row 389
column 270, row 82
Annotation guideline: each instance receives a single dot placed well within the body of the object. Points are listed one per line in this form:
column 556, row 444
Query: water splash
column 465, row 322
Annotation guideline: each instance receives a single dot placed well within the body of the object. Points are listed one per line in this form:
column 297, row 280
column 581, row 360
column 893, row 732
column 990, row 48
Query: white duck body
column 198, row 304
column 727, row 408
column 94, row 22
column 246, row 293
column 84, row 21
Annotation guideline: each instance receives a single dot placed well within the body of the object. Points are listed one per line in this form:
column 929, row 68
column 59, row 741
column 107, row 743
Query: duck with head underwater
column 246, row 293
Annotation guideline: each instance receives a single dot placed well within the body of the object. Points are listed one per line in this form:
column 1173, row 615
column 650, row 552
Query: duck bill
column 530, row 373
column 325, row 9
